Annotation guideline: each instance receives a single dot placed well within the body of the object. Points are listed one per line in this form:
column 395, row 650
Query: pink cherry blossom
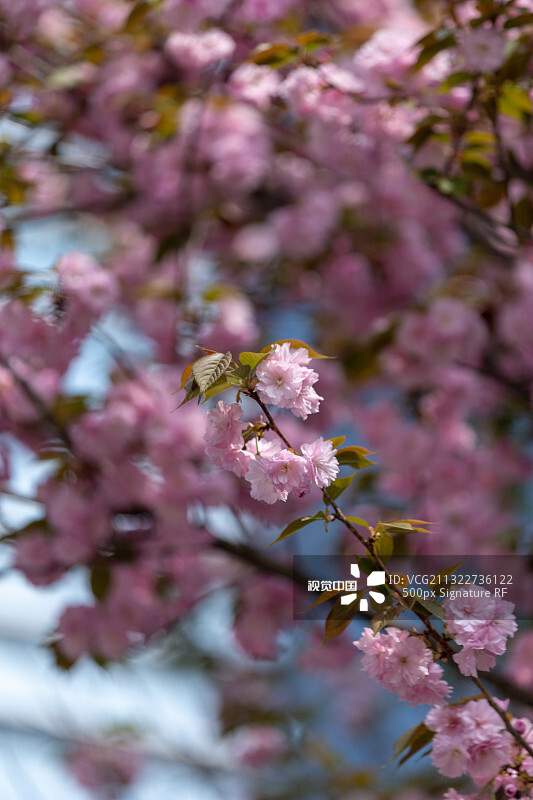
column 262, row 486
column 279, row 382
column 449, row 756
column 275, row 473
column 322, row 463
column 224, row 426
column 481, row 49
column 195, row 52
column 308, row 401
column 254, row 84
column 482, row 625
column 289, row 471
column 285, row 381
column 402, row 663
column 224, row 438
column 469, row 738
column 453, row 794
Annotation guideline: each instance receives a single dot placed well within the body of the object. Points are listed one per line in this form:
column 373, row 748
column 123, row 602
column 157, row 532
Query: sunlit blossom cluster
column 402, row 663
column 272, row 470
column 285, row 380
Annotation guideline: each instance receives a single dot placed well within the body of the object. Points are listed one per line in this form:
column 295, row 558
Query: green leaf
column 297, row 525
column 514, row 101
column 480, row 139
column 358, row 521
column 431, row 606
column 445, row 572
column 219, row 386
column 384, row 545
column 323, row 598
column 251, row 359
column 382, row 618
column 405, row 526
column 192, row 390
column 336, row 488
column 455, row 186
column 208, row 369
column 403, row 741
column 240, row 374
column 137, row 16
column 519, row 21
column 420, row 136
column 354, row 457
column 336, row 441
column 518, row 61
column 340, row 617
column 67, row 409
column 313, row 39
column 406, row 739
column 442, row 40
column 455, row 79
column 478, row 162
column 219, row 291
column 367, row 565
column 296, row 343
column 420, row 736
column 274, row 55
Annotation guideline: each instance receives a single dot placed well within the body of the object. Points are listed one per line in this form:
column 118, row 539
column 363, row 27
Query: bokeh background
column 228, row 173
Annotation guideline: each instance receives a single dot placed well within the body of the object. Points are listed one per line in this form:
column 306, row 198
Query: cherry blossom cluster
column 516, row 780
column 285, row 381
column 272, row 470
column 470, row 738
column 402, row 663
column 481, row 625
